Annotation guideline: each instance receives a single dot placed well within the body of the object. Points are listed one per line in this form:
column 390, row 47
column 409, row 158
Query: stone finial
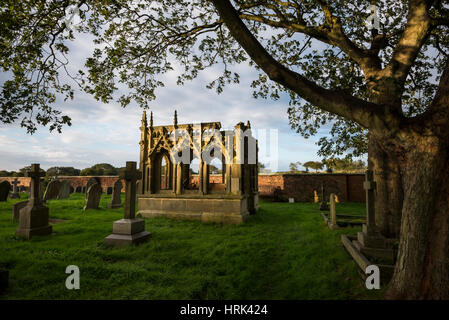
column 175, row 119
column 248, row 124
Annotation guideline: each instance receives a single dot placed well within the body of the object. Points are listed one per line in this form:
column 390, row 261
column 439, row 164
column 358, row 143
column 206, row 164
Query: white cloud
column 109, row 133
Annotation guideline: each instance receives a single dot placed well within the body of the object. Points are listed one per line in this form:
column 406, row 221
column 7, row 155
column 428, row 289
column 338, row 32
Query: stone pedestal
column 374, row 245
column 33, row 221
column 126, row 232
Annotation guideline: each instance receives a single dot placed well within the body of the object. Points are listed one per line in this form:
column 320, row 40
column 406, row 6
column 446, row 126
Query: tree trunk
column 422, row 267
column 389, row 192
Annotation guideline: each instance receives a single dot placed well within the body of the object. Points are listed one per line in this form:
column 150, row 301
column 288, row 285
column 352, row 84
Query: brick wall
column 301, row 187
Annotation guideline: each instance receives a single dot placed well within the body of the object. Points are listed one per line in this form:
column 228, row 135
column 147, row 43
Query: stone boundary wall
column 75, row 181
column 280, row 187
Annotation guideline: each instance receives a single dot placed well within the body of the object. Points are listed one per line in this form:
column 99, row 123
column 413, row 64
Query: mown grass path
column 283, row 252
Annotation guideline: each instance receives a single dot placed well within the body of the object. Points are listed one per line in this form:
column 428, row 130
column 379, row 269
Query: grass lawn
column 283, row 252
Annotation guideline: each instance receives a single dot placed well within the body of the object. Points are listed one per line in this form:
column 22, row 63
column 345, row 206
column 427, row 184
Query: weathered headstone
column 93, row 197
column 116, row 201
column 5, row 186
column 16, row 209
column 323, row 206
column 15, row 189
column 64, row 190
column 33, row 219
column 78, row 189
column 52, row 191
column 333, row 213
column 129, row 230
column 109, row 190
column 91, row 182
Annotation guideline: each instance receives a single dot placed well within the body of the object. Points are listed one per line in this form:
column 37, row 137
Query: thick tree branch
column 338, row 102
column 331, row 33
column 415, row 34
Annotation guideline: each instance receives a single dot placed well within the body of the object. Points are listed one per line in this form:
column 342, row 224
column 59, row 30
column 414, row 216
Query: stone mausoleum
column 177, row 162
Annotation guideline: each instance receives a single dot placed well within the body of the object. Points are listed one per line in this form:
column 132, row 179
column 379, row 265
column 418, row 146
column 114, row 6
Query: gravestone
column 129, row 230
column 33, row 218
column 93, row 197
column 109, row 190
column 83, row 189
column 5, row 186
column 52, row 191
column 91, row 182
column 116, row 201
column 16, row 209
column 72, row 189
column 323, row 206
column 64, row 190
column 333, row 213
column 15, row 190
column 78, row 189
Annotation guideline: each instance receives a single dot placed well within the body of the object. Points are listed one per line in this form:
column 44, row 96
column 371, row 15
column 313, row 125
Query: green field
column 283, row 252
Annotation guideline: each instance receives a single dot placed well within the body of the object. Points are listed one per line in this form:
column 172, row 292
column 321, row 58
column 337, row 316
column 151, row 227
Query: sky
column 108, row 133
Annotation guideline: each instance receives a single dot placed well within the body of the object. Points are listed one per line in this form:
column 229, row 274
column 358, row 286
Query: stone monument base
column 215, row 208
column 33, row 221
column 115, row 206
column 126, row 232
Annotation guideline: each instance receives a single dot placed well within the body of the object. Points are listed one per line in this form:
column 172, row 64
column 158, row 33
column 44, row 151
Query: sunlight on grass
column 283, row 252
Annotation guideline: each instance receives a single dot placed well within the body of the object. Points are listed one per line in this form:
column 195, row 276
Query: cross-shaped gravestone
column 370, row 185
column 15, row 190
column 35, row 175
column 14, row 185
column 130, row 175
column 323, row 206
column 33, row 218
column 129, row 230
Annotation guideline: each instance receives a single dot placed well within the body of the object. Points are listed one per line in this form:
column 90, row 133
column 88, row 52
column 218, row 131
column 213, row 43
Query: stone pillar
column 174, row 177
column 200, row 177
column 236, row 179
column 228, row 178
column 205, row 178
column 179, row 178
column 129, row 230
column 150, row 177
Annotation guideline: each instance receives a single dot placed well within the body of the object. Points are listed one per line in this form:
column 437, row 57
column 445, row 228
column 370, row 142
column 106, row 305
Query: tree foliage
column 137, row 41
column 101, row 169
